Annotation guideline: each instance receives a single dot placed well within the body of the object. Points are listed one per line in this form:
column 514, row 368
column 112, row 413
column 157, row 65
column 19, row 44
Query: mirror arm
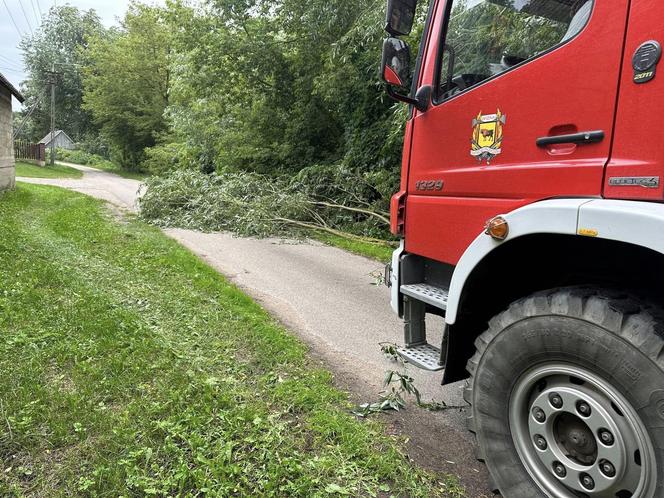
column 419, row 104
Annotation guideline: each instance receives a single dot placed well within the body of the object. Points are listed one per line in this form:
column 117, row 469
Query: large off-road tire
column 567, row 395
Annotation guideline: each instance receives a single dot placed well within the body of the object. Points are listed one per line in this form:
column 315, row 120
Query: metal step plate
column 430, row 294
column 424, row 356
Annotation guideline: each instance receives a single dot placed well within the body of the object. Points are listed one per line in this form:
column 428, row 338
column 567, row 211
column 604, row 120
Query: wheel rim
column 577, row 436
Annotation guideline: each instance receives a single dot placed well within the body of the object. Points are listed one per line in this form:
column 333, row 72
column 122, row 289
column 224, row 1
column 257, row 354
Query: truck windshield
column 488, row 37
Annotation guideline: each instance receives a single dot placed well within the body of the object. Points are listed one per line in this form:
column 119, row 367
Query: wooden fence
column 26, row 151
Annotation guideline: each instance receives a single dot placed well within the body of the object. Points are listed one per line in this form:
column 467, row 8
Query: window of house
column 488, row 37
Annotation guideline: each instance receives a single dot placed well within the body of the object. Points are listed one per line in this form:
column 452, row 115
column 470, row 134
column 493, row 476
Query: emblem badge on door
column 487, row 140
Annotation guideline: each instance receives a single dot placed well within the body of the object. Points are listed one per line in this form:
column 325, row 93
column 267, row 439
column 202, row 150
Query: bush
column 82, row 157
column 163, row 158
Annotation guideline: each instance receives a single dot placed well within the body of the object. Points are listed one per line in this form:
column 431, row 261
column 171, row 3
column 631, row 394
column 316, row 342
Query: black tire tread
column 635, row 319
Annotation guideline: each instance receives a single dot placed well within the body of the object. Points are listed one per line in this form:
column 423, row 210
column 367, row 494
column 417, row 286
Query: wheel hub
column 577, row 436
column 572, row 435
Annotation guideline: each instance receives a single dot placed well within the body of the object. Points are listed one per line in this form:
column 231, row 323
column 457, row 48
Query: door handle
column 581, row 138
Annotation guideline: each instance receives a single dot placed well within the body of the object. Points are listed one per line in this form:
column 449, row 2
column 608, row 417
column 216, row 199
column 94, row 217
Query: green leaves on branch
column 397, row 385
column 242, row 203
column 258, row 205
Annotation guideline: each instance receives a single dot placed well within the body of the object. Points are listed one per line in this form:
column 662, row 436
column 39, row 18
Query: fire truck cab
column 531, row 213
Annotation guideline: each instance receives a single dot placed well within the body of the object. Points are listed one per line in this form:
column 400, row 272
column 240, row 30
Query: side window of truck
column 485, row 38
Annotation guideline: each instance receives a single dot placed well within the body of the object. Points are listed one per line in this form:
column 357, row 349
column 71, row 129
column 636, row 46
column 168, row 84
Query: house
column 7, row 165
column 61, row 140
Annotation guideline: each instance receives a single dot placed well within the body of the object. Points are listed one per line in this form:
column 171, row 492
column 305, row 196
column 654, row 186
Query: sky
column 26, row 14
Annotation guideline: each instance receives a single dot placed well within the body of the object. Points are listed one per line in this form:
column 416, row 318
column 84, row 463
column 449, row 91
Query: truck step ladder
column 424, row 356
column 418, row 351
column 430, row 294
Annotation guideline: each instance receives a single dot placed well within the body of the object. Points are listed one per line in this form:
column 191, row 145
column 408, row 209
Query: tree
column 246, row 90
column 126, row 82
column 60, row 43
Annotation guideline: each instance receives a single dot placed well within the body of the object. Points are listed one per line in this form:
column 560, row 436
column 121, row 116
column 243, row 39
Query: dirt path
column 330, row 299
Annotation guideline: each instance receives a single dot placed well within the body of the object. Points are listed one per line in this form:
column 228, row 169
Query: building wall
column 7, row 166
column 62, row 142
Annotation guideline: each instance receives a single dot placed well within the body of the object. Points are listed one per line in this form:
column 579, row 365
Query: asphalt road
column 119, row 192
column 332, row 300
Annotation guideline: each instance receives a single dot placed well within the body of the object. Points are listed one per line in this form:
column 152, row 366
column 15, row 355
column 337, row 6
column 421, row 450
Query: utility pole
column 52, row 78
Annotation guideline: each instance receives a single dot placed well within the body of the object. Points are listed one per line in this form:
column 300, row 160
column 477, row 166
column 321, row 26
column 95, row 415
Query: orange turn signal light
column 498, row 228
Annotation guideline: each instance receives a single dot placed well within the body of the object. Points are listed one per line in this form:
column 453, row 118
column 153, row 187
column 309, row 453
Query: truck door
column 524, row 97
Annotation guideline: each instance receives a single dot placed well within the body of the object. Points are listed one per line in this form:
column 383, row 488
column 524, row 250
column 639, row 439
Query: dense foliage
column 279, row 86
column 127, row 83
column 286, row 91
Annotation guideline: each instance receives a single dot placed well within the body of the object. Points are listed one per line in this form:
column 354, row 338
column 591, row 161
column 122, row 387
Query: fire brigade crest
column 487, row 139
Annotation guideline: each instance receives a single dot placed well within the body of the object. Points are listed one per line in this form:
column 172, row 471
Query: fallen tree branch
column 338, row 233
column 381, row 217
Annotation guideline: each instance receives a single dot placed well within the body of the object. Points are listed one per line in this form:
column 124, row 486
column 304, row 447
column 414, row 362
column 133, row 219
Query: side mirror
column 400, row 17
column 395, row 71
column 395, row 68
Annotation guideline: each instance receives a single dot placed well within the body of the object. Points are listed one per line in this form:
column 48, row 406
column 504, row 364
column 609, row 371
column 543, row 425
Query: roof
column 47, row 139
column 12, row 89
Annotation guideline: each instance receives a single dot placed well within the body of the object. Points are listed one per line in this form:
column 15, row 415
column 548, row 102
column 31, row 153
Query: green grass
column 128, row 367
column 28, row 170
column 379, row 252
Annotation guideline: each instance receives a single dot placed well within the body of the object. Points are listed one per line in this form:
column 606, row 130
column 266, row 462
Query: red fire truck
column 531, row 212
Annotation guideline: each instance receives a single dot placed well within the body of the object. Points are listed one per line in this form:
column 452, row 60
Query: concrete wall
column 7, row 166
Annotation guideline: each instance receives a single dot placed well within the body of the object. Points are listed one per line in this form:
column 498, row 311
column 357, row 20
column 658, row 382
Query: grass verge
column 28, row 170
column 379, row 252
column 128, row 367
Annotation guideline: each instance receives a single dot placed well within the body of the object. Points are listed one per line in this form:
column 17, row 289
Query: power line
column 6, row 65
column 25, row 14
column 34, row 11
column 13, row 20
column 6, row 60
column 19, row 129
column 5, row 57
column 40, row 11
column 11, row 70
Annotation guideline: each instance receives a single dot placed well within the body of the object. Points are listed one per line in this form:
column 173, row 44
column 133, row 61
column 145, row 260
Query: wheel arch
column 625, row 249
